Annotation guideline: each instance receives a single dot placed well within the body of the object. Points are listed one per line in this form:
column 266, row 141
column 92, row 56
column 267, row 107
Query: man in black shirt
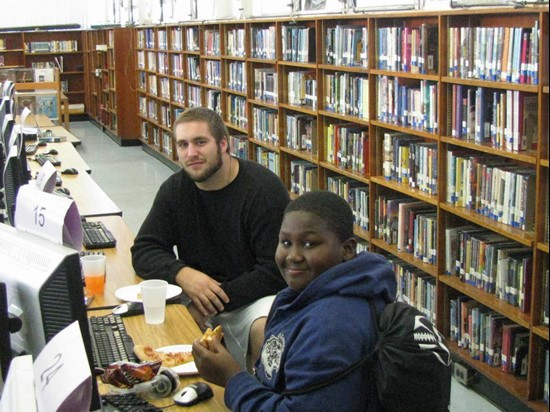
column 221, row 215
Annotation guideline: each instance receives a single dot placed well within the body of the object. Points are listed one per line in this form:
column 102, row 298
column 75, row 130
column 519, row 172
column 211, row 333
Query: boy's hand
column 217, row 366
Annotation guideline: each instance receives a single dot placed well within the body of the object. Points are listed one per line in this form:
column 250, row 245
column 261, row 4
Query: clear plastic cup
column 93, row 269
column 153, row 293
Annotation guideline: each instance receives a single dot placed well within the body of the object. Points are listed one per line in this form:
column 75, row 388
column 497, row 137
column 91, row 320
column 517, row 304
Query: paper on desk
column 18, row 393
column 45, row 180
column 53, row 217
column 63, row 380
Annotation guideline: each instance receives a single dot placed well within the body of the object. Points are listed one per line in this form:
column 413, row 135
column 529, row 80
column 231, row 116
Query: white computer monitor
column 44, row 289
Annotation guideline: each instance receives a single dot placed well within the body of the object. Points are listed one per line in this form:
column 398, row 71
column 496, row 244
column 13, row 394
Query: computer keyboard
column 127, row 402
column 97, row 236
column 110, row 341
column 41, row 158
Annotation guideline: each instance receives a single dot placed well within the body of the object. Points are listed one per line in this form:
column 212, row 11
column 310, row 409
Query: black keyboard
column 97, row 236
column 110, row 341
column 41, row 158
column 127, row 402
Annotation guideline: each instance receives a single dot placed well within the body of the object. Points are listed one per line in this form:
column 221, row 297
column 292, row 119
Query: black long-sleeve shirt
column 230, row 234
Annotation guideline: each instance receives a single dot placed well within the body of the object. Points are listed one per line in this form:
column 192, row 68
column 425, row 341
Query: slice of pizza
column 206, row 339
column 146, row 353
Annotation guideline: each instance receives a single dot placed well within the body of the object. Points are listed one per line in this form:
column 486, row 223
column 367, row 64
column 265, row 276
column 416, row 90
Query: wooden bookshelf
column 112, row 97
column 45, row 48
column 257, row 88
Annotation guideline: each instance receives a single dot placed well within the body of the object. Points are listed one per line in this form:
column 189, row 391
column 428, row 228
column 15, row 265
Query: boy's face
column 308, row 248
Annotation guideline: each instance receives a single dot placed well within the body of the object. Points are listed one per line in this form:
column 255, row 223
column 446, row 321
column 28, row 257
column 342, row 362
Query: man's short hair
column 215, row 123
column 331, row 208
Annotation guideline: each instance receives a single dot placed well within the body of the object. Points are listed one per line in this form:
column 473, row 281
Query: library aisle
column 131, row 178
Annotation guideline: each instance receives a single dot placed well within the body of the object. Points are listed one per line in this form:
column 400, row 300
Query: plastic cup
column 153, row 293
column 93, row 268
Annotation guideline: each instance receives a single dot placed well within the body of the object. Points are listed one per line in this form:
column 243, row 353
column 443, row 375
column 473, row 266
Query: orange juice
column 95, row 284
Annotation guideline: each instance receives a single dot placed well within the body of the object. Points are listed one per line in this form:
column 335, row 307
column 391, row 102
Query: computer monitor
column 5, row 343
column 7, row 128
column 44, row 289
column 8, row 88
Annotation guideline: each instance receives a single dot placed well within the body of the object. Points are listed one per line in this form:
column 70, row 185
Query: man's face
column 198, row 152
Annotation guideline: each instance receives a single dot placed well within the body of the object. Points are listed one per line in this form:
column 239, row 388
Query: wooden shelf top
column 405, row 189
column 527, row 156
column 407, row 257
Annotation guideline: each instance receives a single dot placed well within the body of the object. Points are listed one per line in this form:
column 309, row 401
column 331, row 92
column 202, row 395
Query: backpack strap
column 354, row 366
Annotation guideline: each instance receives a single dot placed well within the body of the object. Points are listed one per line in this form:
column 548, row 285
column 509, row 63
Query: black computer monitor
column 44, row 281
column 8, row 89
column 5, row 342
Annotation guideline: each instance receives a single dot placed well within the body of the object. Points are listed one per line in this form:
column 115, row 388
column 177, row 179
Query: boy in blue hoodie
column 319, row 325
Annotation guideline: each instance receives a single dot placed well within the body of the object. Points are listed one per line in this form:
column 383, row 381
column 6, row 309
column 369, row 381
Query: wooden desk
column 65, row 110
column 41, row 119
column 60, row 131
column 119, row 271
column 68, row 155
column 178, row 328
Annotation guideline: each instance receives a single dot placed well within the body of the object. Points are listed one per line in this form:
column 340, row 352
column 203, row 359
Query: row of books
column 165, row 115
column 490, row 262
column 302, row 89
column 410, row 160
column 176, row 38
column 167, row 146
column 268, row 158
column 301, row 132
column 346, row 45
column 192, row 39
column 213, row 100
column 303, row 176
column 235, row 40
column 408, row 49
column 237, row 76
column 263, row 43
column 146, row 38
column 51, row 46
column 356, row 194
column 266, row 125
column 298, row 44
column 193, row 68
column 152, row 83
column 151, row 61
column 164, row 84
column 347, row 146
column 265, row 85
column 409, row 224
column 212, row 42
column 178, row 95
column 163, row 63
column 506, row 54
column 347, row 94
column 177, row 65
column 162, row 39
column 505, row 118
column 213, row 73
column 489, row 336
column 415, row 287
column 492, row 187
column 194, row 96
column 236, row 111
column 239, row 145
column 413, row 106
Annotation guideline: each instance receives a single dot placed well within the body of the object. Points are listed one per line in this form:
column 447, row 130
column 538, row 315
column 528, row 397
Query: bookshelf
column 112, row 97
column 63, row 49
column 381, row 109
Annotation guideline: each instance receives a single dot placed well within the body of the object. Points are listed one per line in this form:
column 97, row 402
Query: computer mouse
column 193, row 393
column 64, row 191
column 70, row 171
column 41, row 144
column 51, row 152
column 129, row 309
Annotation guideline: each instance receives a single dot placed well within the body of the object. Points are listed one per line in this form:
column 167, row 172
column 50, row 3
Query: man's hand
column 217, row 366
column 205, row 292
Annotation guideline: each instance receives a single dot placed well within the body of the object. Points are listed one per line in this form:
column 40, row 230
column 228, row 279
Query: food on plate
column 206, row 339
column 168, row 359
column 128, row 374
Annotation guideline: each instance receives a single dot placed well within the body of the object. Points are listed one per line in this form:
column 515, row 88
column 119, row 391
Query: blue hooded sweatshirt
column 314, row 334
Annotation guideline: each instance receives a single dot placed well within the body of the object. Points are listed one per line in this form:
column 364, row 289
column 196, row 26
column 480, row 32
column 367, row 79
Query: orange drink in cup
column 93, row 268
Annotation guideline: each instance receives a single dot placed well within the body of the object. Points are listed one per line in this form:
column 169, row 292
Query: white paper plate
column 188, row 368
column 132, row 293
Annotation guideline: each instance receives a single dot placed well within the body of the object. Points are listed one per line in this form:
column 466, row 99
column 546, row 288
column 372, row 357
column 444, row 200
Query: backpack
column 410, row 362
